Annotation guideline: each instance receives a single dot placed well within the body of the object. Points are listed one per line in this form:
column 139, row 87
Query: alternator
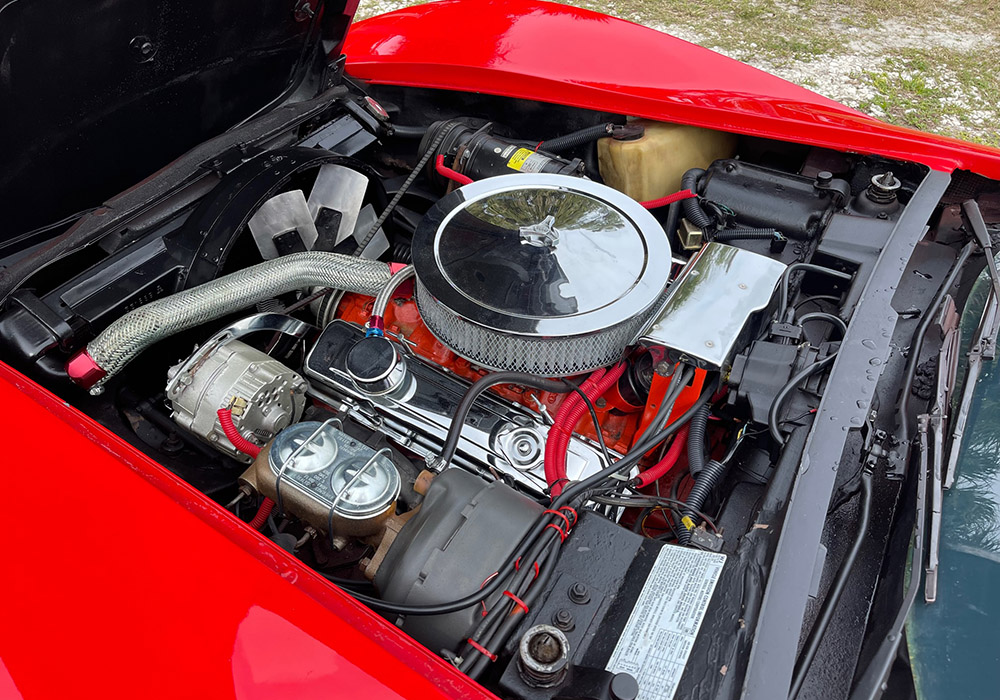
column 265, row 396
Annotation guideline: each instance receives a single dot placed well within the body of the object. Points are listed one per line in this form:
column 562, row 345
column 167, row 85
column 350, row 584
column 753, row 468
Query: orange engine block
column 620, row 420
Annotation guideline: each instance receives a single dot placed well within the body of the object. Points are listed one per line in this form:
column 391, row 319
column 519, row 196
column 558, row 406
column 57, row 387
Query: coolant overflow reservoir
column 651, row 166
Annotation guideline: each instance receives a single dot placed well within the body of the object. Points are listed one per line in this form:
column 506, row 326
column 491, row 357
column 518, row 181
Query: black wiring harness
column 522, row 578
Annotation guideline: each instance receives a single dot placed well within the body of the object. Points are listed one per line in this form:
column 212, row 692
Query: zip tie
column 517, row 601
column 487, row 580
column 562, row 533
column 571, row 509
column 561, row 515
column 517, row 567
column 481, row 649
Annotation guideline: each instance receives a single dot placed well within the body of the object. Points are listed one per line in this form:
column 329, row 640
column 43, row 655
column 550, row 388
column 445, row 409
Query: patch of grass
column 982, row 14
column 941, row 90
column 778, row 31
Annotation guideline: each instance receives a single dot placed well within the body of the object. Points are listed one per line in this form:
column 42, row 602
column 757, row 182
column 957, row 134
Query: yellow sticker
column 688, row 522
column 520, row 155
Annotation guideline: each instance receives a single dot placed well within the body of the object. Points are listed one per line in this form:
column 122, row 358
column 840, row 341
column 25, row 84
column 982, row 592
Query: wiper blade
column 948, row 321
column 983, row 347
column 872, row 681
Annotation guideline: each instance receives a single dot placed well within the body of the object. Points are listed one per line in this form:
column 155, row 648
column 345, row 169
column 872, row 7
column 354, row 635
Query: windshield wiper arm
column 984, row 343
column 948, row 321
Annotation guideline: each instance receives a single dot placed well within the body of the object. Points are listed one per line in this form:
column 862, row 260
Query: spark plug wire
column 566, row 420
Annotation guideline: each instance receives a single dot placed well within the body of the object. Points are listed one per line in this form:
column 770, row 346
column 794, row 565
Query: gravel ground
column 929, row 64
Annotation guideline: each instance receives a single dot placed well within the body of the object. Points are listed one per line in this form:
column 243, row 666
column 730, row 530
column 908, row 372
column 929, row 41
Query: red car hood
column 151, row 590
column 554, row 53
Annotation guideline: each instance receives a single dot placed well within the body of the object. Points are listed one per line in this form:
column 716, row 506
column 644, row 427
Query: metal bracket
column 840, row 189
column 277, row 323
column 290, row 460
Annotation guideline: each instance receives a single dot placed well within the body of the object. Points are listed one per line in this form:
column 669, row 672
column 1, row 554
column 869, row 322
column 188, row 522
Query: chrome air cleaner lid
column 548, row 274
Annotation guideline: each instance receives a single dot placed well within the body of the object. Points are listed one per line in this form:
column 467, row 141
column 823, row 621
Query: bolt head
column 563, row 619
column 579, row 593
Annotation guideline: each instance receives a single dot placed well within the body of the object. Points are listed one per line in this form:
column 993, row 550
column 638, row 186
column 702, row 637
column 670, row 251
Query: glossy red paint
column 555, row 53
column 119, row 580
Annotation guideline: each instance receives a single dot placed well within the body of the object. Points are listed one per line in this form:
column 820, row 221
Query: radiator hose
column 128, row 336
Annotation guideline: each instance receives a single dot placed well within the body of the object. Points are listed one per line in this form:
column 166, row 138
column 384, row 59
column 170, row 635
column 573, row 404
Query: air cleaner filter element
column 546, row 274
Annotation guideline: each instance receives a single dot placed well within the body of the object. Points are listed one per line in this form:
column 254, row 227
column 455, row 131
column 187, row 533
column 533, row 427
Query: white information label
column 657, row 640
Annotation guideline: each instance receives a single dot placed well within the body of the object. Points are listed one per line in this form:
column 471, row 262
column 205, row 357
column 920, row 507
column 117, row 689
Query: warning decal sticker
column 660, row 632
column 527, row 161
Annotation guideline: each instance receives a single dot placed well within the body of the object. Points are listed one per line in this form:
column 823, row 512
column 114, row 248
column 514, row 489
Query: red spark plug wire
column 562, row 429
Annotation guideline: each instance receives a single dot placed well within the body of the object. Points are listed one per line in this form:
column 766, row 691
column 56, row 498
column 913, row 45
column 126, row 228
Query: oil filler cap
column 375, row 365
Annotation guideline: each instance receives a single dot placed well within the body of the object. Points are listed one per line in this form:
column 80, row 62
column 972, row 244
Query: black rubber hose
column 408, row 132
column 555, row 386
column 577, row 138
column 772, row 413
column 745, row 234
column 704, row 482
column 836, row 590
column 796, row 267
column 696, row 440
column 691, row 206
column 832, row 319
column 673, row 220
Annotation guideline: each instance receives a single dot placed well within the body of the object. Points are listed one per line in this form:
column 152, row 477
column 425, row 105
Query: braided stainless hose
column 124, row 339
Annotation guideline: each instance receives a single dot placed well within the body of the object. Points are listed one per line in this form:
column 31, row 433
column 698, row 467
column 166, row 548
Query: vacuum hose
column 124, row 339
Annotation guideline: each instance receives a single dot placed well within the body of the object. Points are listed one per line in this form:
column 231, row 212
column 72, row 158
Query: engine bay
column 531, row 382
